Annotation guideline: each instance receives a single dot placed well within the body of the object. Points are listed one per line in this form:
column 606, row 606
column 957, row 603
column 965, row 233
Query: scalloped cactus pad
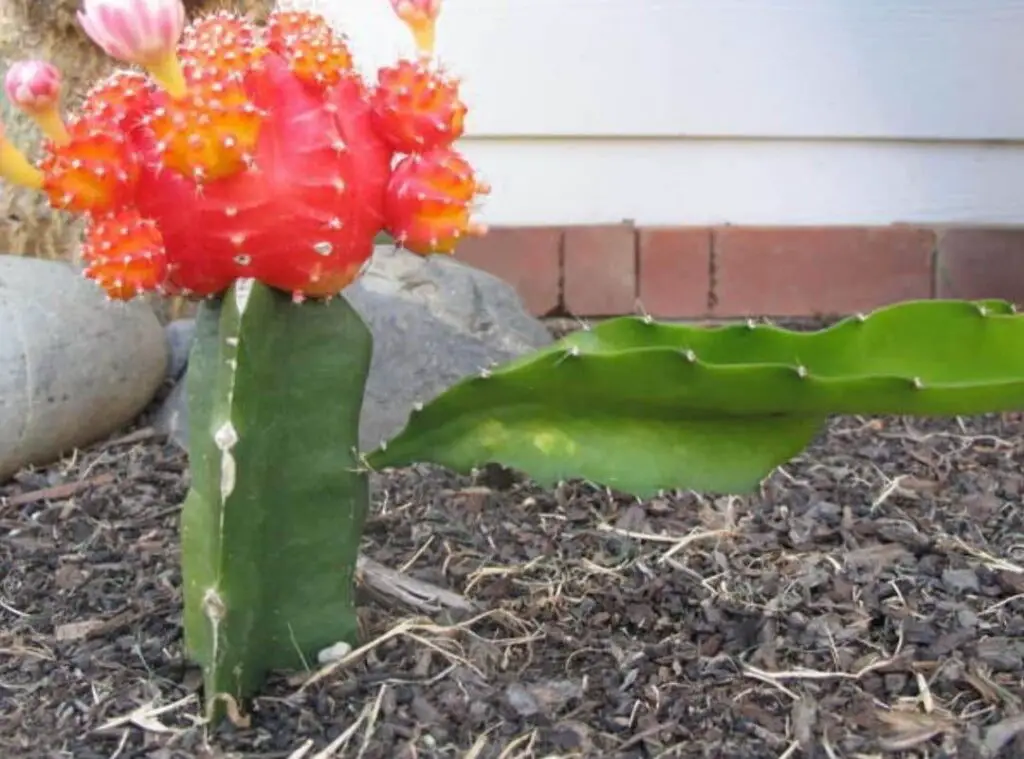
column 641, row 406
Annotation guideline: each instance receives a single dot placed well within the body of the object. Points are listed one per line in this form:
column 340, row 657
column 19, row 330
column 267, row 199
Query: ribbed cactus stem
column 272, row 523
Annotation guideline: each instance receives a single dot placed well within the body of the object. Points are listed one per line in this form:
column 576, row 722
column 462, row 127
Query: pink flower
column 144, row 32
column 33, row 86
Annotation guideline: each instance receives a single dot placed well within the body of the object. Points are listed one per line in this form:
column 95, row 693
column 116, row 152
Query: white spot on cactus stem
column 213, row 606
column 225, row 438
column 243, row 289
column 226, row 435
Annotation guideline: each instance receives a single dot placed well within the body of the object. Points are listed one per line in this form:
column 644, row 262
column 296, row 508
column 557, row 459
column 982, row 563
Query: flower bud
column 33, row 86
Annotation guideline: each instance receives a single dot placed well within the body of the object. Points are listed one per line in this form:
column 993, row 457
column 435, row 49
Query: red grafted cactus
column 246, row 151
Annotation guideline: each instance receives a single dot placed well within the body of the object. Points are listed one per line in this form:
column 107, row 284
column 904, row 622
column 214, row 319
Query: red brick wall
column 726, row 272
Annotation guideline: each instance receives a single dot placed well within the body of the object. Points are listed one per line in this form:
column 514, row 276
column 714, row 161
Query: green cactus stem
column 272, row 523
column 640, row 406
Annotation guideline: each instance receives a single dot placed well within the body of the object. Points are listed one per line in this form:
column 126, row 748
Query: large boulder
column 74, row 367
column 434, row 321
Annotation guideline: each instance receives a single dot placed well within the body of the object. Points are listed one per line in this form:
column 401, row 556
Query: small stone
column 895, row 682
column 520, row 699
column 967, row 618
column 548, row 696
column 334, row 653
column 1000, row 653
column 961, row 580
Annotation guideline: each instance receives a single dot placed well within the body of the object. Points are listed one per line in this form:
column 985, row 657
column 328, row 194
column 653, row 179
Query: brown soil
column 867, row 603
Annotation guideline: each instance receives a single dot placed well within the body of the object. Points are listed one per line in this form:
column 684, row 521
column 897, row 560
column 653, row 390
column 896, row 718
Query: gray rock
column 74, row 367
column 179, row 342
column 172, row 417
column 434, row 322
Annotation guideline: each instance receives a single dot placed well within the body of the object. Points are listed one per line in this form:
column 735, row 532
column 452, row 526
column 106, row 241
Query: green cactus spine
column 640, row 406
column 272, row 523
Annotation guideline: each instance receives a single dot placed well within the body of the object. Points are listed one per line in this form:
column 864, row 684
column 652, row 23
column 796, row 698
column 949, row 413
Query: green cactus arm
column 272, row 522
column 641, row 405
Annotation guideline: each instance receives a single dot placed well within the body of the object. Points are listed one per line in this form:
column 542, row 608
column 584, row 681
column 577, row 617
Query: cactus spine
column 272, row 522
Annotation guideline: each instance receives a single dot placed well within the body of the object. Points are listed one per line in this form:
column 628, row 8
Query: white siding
column 751, row 111
column 748, row 182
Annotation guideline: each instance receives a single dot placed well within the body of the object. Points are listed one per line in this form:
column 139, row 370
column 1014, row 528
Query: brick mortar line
column 637, row 304
column 712, row 300
column 561, row 308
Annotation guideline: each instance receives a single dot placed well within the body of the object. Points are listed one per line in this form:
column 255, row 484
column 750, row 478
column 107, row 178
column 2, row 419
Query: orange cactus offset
column 429, row 201
column 93, row 170
column 245, row 152
column 315, row 52
column 211, row 132
column 120, row 100
column 124, row 254
column 220, row 42
column 417, row 109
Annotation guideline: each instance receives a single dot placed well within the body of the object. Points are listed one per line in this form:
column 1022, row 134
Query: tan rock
column 74, row 367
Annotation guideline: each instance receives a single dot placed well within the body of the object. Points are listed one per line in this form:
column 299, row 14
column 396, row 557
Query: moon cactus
column 254, row 167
